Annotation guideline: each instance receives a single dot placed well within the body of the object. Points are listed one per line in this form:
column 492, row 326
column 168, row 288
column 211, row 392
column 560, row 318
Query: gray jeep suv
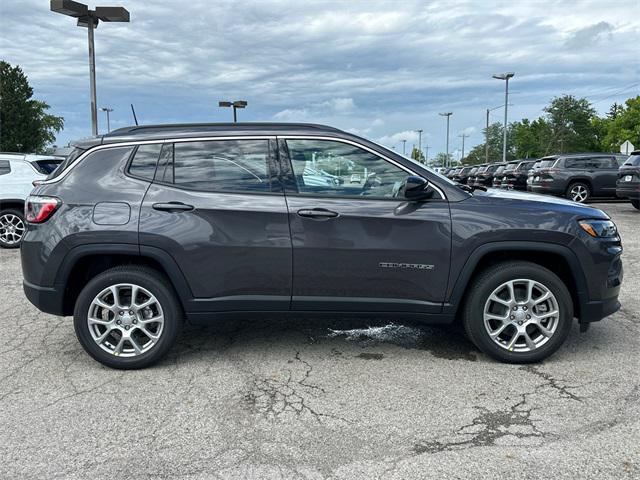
column 147, row 226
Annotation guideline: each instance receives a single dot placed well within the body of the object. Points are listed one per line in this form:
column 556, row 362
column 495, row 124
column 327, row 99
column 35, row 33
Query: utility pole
column 486, row 140
column 447, row 114
column 404, row 143
column 463, row 135
column 426, row 154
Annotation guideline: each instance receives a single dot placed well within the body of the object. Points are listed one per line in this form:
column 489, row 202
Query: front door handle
column 317, row 213
column 173, row 207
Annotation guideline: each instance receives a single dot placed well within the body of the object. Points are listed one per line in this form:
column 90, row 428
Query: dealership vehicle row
column 578, row 177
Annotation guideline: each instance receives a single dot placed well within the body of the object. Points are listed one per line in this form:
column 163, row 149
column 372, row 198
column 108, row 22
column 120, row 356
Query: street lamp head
column 106, row 109
column 503, row 76
column 112, row 14
column 446, row 114
column 69, row 8
column 240, row 103
column 224, row 104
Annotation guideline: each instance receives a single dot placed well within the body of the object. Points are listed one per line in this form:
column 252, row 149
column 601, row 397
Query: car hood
column 545, row 201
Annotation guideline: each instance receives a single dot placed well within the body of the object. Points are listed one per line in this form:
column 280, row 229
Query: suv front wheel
column 518, row 312
column 578, row 192
column 127, row 317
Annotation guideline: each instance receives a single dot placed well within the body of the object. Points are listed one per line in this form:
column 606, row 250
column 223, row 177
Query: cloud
column 584, row 37
column 374, row 67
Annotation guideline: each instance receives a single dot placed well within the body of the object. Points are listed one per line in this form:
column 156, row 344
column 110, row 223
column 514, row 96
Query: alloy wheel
column 579, row 193
column 125, row 320
column 521, row 315
column 11, row 229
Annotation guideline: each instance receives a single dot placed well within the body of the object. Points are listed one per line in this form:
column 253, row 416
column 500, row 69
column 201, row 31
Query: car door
column 605, row 175
column 361, row 247
column 217, row 207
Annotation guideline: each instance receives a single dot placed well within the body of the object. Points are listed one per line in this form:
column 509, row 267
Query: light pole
column 90, row 19
column 107, row 110
column 419, row 142
column 404, row 143
column 463, row 135
column 447, row 114
column 236, row 104
column 426, row 154
column 505, row 77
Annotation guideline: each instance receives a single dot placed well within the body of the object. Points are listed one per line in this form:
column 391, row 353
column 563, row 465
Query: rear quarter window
column 5, row 167
column 144, row 162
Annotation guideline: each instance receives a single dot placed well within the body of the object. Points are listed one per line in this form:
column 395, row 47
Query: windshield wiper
column 471, row 188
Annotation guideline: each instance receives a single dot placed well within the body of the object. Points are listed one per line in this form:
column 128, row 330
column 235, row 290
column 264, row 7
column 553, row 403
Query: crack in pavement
column 487, row 428
column 274, row 396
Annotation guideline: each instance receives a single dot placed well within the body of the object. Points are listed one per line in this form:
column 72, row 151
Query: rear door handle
column 173, row 207
column 318, row 213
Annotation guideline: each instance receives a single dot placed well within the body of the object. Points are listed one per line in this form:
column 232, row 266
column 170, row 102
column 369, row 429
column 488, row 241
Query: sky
column 379, row 69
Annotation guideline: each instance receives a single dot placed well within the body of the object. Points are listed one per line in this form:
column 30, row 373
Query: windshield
column 511, row 166
column 500, row 169
column 75, row 153
column 633, row 161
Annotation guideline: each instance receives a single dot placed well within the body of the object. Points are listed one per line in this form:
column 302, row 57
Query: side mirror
column 416, row 189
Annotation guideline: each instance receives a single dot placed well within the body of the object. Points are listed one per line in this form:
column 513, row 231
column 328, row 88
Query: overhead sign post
column 627, row 147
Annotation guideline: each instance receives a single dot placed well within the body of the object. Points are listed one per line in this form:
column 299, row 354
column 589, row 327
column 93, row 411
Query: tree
column 529, row 139
column 572, row 126
column 478, row 153
column 624, row 126
column 25, row 125
column 417, row 155
column 442, row 160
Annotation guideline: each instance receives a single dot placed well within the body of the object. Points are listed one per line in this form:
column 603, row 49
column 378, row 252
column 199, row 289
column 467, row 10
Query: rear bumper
column 628, row 190
column 47, row 299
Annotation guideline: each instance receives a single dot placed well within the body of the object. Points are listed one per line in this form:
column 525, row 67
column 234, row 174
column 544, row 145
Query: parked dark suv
column 516, row 179
column 500, row 177
column 579, row 176
column 462, row 175
column 628, row 183
column 146, row 226
column 485, row 178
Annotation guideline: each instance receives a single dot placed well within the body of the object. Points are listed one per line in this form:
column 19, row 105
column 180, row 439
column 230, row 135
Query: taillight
column 38, row 209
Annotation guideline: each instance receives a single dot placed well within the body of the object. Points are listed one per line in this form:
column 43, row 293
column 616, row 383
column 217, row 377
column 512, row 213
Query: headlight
column 599, row 228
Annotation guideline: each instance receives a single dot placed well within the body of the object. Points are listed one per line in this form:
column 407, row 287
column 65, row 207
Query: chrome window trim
column 148, row 142
column 232, row 137
column 364, row 147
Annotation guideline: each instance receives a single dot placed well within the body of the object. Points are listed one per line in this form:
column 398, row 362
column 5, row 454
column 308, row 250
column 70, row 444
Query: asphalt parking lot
column 310, row 399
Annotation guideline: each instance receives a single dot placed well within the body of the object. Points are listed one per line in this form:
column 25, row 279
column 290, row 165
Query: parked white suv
column 18, row 171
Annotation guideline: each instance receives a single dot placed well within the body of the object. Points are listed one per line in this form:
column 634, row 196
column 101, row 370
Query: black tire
column 11, row 212
column 490, row 279
column 148, row 279
column 636, row 204
column 570, row 194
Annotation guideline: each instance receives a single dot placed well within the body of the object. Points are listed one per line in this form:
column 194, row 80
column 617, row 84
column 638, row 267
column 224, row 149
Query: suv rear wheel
column 127, row 317
column 578, row 192
column 518, row 312
column 12, row 228
column 636, row 204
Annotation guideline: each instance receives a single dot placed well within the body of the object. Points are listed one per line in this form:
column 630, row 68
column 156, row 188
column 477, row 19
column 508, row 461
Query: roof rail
column 134, row 129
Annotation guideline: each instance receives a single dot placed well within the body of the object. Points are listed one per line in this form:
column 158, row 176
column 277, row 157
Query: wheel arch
column 86, row 261
column 557, row 258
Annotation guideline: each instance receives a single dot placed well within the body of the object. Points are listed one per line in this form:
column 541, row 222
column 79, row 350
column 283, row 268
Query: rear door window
column 576, row 163
column 217, row 165
column 47, row 166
